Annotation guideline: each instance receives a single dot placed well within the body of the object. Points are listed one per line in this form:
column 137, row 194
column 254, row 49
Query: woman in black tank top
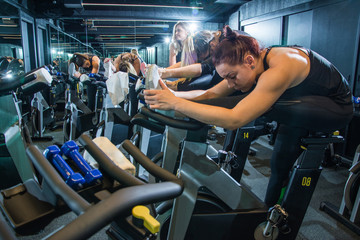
column 91, row 64
column 296, row 87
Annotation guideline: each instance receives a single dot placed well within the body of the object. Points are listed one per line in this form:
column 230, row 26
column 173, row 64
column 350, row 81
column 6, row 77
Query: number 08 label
column 306, row 181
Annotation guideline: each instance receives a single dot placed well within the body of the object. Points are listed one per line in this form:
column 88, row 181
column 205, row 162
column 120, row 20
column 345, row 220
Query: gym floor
column 316, row 225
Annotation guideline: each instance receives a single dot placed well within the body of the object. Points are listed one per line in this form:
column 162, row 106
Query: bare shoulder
column 286, row 56
column 291, row 62
column 96, row 59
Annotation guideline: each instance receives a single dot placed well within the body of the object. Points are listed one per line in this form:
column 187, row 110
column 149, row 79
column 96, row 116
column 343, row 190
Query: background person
column 181, row 33
column 200, row 52
column 91, row 64
column 202, row 68
column 128, row 57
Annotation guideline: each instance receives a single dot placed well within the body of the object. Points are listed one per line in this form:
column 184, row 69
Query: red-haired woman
column 321, row 96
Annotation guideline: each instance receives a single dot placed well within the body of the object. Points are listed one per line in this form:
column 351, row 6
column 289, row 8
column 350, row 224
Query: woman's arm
column 270, row 86
column 113, row 68
column 117, row 62
column 190, row 71
column 176, row 65
column 136, row 65
column 189, row 94
column 219, row 90
column 96, row 64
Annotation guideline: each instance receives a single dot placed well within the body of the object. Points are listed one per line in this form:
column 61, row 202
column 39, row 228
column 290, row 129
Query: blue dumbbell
column 74, row 180
column 71, row 150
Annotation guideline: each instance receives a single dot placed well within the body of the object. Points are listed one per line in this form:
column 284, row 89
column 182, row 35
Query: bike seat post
column 304, row 178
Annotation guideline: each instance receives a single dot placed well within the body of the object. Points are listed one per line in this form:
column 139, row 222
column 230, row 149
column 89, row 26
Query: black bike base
column 333, row 211
column 42, row 139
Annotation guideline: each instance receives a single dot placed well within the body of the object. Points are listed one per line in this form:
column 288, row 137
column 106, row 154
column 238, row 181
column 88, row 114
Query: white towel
column 152, row 77
column 116, row 156
column 118, row 87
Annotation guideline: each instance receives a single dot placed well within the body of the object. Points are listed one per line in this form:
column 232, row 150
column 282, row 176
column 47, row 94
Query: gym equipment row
column 225, row 197
column 213, row 203
column 348, row 213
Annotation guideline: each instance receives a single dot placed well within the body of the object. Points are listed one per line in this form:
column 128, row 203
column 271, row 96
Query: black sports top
column 323, row 80
column 101, row 67
column 178, row 56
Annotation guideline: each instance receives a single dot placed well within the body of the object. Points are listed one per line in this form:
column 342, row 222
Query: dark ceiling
column 115, row 25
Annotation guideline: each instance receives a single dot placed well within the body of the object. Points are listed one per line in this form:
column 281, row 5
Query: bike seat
column 30, row 82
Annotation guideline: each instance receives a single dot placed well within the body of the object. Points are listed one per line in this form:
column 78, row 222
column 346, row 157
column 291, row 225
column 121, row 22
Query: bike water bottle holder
column 227, row 160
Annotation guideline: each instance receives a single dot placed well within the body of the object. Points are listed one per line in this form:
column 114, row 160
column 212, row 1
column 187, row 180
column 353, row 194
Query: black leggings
column 297, row 117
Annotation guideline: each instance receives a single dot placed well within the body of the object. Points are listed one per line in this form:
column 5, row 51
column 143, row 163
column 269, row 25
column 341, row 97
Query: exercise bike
column 52, row 197
column 230, row 209
column 41, row 195
column 14, row 163
column 43, row 106
column 348, row 213
column 80, row 118
column 115, row 117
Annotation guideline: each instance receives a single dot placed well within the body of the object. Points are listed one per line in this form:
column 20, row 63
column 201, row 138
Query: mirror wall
column 11, row 51
column 63, row 46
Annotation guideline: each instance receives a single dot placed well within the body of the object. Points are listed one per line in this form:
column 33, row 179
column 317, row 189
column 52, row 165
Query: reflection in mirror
column 11, row 52
column 63, row 46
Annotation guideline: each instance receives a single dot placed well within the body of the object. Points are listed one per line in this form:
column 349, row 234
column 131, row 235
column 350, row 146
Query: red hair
column 233, row 48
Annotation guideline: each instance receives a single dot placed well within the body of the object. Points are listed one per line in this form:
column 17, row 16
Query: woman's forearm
column 189, row 94
column 176, row 65
column 208, row 114
column 191, row 71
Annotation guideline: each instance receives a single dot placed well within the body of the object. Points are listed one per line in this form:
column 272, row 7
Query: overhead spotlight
column 167, row 40
column 193, row 27
column 53, row 51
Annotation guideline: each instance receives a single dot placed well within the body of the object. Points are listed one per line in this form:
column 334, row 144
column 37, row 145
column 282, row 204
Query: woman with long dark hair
column 91, row 64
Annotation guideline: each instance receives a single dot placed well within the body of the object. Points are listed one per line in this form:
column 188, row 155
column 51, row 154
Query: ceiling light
column 122, row 43
column 138, row 5
column 7, row 20
column 122, row 37
column 133, row 26
column 134, row 20
column 193, row 27
column 127, row 35
column 11, row 37
column 8, row 25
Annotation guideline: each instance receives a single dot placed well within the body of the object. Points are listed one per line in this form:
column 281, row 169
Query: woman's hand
column 162, row 99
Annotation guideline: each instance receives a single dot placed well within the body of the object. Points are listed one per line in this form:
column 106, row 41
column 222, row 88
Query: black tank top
column 178, row 56
column 323, row 80
column 101, row 67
